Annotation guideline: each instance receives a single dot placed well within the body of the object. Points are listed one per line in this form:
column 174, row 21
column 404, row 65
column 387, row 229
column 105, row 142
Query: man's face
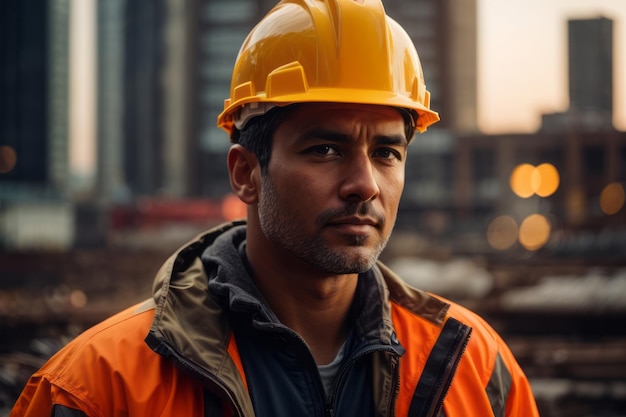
column 333, row 185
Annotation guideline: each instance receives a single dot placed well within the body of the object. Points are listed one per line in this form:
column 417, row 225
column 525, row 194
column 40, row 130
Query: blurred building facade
column 220, row 28
column 589, row 154
column 588, row 164
column 34, row 99
column 590, row 59
column 164, row 69
column 590, row 49
column 145, row 76
column 34, row 107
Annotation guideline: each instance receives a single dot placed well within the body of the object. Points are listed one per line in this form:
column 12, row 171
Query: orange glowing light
column 548, row 180
column 233, row 208
column 527, row 180
column 612, row 198
column 78, row 299
column 8, row 159
column 534, row 232
column 502, row 232
column 521, row 180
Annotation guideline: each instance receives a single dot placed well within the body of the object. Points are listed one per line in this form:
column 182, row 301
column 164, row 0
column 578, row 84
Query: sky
column 522, row 61
column 522, row 66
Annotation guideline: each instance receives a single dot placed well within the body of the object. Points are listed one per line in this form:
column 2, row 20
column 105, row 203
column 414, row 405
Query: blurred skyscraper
column 34, row 98
column 110, row 177
column 220, row 28
column 590, row 60
column 34, row 146
column 445, row 35
column 144, row 143
column 130, row 139
column 590, row 49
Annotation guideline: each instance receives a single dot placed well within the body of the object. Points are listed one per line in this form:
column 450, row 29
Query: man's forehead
column 341, row 116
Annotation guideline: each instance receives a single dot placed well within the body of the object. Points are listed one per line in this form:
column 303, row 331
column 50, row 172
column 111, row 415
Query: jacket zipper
column 278, row 329
column 396, row 387
column 331, row 404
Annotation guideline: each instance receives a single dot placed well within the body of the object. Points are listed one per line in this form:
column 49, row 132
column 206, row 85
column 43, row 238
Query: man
column 290, row 313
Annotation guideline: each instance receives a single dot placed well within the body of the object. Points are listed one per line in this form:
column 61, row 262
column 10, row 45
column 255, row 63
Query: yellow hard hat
column 346, row 51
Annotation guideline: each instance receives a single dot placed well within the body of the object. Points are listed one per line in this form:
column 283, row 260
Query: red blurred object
column 150, row 213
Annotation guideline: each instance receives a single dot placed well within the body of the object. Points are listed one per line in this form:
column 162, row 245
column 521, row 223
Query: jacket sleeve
column 41, row 398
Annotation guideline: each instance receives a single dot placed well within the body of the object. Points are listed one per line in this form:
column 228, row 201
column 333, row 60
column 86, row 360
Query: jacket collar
column 231, row 283
column 196, row 282
column 192, row 286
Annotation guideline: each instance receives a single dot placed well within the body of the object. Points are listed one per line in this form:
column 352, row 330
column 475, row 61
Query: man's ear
column 244, row 173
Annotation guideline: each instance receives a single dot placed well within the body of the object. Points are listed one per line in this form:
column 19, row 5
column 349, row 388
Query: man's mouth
column 354, row 224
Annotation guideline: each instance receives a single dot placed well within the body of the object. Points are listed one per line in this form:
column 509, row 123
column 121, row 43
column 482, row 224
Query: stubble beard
column 277, row 227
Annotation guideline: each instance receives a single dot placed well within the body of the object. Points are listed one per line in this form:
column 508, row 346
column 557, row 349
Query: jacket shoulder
column 437, row 310
column 484, row 343
column 109, row 341
column 107, row 368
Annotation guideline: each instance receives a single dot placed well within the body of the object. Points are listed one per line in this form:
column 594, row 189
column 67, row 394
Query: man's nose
column 359, row 180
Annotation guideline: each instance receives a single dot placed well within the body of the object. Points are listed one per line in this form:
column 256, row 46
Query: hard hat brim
column 426, row 117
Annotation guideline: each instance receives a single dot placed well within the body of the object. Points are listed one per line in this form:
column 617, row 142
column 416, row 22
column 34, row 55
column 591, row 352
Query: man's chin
column 351, row 260
column 357, row 240
column 350, row 239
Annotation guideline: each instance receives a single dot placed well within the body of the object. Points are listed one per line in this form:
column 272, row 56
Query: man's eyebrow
column 326, row 134
column 391, row 140
column 335, row 136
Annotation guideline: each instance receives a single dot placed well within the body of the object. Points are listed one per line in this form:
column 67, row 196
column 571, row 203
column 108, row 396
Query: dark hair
column 410, row 122
column 258, row 133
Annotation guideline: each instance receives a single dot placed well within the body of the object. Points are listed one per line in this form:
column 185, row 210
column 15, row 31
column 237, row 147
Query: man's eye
column 324, row 150
column 387, row 153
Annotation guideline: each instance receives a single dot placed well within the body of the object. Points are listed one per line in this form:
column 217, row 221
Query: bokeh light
column 576, row 204
column 527, row 180
column 78, row 299
column 534, row 232
column 502, row 232
column 521, row 180
column 233, row 208
column 548, row 180
column 612, row 198
column 8, row 159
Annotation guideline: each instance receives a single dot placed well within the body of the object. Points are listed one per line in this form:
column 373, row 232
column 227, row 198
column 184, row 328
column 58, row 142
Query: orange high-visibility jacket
column 177, row 355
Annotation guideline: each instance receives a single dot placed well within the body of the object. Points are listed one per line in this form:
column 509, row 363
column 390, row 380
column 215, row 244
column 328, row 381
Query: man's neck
column 319, row 316
column 314, row 305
